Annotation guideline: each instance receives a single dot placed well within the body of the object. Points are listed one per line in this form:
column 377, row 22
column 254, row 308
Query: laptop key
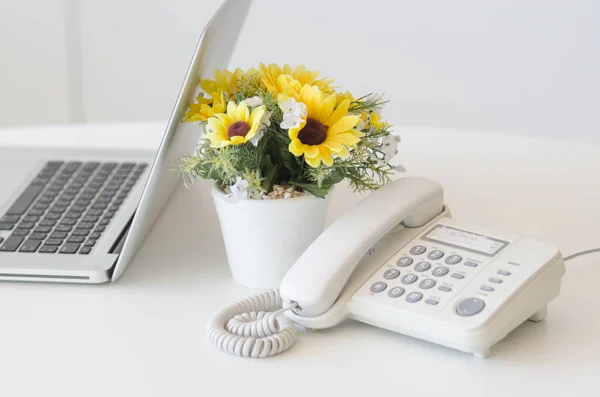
column 72, row 166
column 34, row 212
column 38, row 236
column 100, row 228
column 26, row 225
column 92, row 165
column 52, row 216
column 10, row 219
column 43, row 229
column 104, row 221
column 64, row 228
column 59, row 235
column 48, row 222
column 11, row 244
column 85, row 250
column 75, row 239
column 48, row 249
column 25, row 199
column 20, row 232
column 95, row 235
column 80, row 232
column 90, row 243
column 73, row 214
column 86, row 225
column 41, row 206
column 6, row 226
column 58, row 209
column 90, row 218
column 54, row 241
column 69, row 248
column 68, row 221
column 31, row 218
column 30, row 245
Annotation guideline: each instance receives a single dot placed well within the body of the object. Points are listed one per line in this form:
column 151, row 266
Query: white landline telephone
column 398, row 261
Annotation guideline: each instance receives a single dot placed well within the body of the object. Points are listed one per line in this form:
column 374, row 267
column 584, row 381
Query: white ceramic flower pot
column 264, row 238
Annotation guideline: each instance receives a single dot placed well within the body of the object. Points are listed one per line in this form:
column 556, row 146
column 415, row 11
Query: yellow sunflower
column 224, row 81
column 327, row 130
column 270, row 74
column 235, row 127
column 203, row 110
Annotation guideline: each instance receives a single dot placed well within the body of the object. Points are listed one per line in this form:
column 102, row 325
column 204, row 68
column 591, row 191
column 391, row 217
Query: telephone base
column 483, row 354
column 540, row 315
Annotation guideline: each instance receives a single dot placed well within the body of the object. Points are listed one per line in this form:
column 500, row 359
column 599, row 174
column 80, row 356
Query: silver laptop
column 80, row 215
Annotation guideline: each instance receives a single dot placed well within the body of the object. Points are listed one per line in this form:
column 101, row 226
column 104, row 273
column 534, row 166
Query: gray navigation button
column 418, row 250
column 409, row 278
column 405, row 261
column 427, row 283
column 435, row 254
column 504, row 272
column 440, row 271
column 396, row 292
column 495, row 280
column 444, row 288
column 458, row 276
column 422, row 266
column 432, row 301
column 378, row 286
column 487, row 288
column 469, row 307
column 453, row 259
column 414, row 297
column 391, row 274
column 470, row 264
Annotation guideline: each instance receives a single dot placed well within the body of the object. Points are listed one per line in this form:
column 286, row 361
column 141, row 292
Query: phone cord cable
column 253, row 327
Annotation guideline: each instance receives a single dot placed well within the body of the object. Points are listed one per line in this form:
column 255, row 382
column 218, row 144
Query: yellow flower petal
column 293, row 132
column 296, row 147
column 257, row 115
column 347, row 139
column 226, row 119
column 314, row 162
column 344, row 153
column 217, row 125
column 326, row 108
column 333, row 146
column 237, row 140
column 326, row 156
column 243, row 113
column 340, row 111
column 232, row 109
column 344, row 124
column 311, row 151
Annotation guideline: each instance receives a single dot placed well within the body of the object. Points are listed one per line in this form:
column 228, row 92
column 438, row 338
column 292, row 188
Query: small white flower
column 291, row 121
column 294, row 113
column 239, row 190
column 254, row 101
column 390, row 146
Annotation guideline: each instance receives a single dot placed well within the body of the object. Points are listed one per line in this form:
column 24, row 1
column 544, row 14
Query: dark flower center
column 313, row 133
column 239, row 128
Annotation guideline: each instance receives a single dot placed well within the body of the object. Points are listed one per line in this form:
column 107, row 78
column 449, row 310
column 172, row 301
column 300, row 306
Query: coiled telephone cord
column 253, row 327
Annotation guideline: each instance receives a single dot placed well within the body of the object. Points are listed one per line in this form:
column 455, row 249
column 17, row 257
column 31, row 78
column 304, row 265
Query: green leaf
column 314, row 189
column 269, row 170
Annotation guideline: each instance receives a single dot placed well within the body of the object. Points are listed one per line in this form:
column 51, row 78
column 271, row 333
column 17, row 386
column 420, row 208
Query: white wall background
column 522, row 67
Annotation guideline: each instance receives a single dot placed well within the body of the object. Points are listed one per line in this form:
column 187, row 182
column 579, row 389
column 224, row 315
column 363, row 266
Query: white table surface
column 144, row 335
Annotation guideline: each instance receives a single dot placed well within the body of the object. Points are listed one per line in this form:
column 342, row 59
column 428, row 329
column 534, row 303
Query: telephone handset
column 398, row 260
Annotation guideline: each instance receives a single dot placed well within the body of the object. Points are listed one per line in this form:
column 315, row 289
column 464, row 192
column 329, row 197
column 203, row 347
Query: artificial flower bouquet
column 281, row 132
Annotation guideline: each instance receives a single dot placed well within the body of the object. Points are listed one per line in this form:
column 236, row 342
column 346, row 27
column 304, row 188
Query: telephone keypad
column 405, row 261
column 396, row 292
column 391, row 274
column 432, row 302
column 418, row 250
column 495, row 280
column 487, row 288
column 422, row 266
column 435, row 254
column 454, row 259
column 504, row 272
column 458, row 276
column 440, row 271
column 445, row 288
column 470, row 264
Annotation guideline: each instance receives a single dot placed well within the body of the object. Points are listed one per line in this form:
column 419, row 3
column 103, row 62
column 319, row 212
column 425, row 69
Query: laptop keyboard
column 67, row 207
